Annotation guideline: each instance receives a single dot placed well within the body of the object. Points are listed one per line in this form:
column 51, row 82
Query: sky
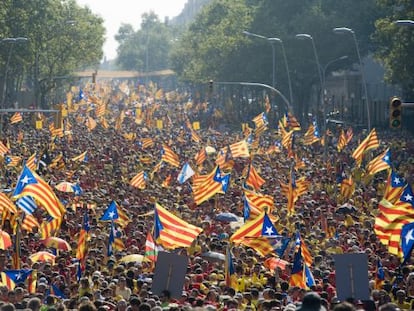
column 117, row 12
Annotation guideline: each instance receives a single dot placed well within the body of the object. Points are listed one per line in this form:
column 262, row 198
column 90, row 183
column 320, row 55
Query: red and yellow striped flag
column 370, row 142
column 16, row 118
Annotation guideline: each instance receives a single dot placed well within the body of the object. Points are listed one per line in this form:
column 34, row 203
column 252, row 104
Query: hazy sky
column 116, row 12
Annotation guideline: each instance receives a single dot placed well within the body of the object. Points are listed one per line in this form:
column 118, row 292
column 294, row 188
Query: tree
column 395, row 45
column 146, row 49
column 62, row 37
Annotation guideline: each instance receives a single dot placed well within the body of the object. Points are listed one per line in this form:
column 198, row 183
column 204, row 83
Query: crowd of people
column 114, row 154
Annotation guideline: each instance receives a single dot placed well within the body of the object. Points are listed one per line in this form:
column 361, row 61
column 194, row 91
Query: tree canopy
column 61, row 37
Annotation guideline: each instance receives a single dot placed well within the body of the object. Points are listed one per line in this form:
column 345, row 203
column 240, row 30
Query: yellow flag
column 39, row 125
column 159, row 124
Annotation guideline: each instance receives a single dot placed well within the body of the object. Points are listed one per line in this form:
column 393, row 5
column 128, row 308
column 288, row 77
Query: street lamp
column 404, row 22
column 305, row 36
column 286, row 65
column 273, row 53
column 345, row 30
column 325, row 68
column 10, row 41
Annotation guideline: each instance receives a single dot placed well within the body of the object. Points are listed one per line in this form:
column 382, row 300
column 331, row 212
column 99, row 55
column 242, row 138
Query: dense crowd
column 113, row 158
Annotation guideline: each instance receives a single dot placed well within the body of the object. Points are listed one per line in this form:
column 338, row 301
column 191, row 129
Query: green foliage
column 147, row 48
column 395, row 44
column 62, row 37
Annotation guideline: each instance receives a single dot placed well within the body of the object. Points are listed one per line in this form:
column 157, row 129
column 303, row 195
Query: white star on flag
column 409, row 236
column 408, row 197
column 25, row 180
column 269, row 231
column 111, row 215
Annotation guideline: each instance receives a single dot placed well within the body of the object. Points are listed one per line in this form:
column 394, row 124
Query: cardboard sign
column 169, row 274
column 351, row 274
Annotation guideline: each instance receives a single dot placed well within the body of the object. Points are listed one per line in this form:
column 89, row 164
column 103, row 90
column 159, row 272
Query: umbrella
column 346, row 209
column 227, row 217
column 5, row 240
column 213, row 256
column 65, row 186
column 42, row 256
column 57, row 243
column 133, row 258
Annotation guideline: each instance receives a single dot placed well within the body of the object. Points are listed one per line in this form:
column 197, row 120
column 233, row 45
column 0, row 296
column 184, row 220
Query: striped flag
column 29, row 222
column 347, row 187
column 27, row 204
column 16, row 118
column 206, row 186
column 12, row 161
column 258, row 203
column 151, row 249
column 80, row 158
column 253, row 179
column 31, row 162
column 50, row 227
column 370, row 142
column 297, row 276
column 260, row 120
column 147, row 143
column 394, row 187
column 13, row 277
column 342, row 141
column 172, row 232
column 306, row 255
column 201, row 156
column 140, row 180
column 312, row 135
column 123, row 219
column 169, row 156
column 82, row 240
column 261, row 226
column 230, row 273
column 3, row 148
column 292, row 122
column 240, row 149
column 7, row 204
column 195, row 137
column 30, row 184
column 380, row 163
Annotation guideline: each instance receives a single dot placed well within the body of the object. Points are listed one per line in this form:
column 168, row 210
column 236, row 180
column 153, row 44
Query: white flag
column 186, row 173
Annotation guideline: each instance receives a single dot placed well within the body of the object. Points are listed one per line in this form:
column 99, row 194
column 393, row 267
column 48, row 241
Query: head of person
column 311, row 302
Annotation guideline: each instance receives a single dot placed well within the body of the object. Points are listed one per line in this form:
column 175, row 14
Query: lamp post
column 404, row 22
column 325, row 68
column 305, row 36
column 286, row 66
column 345, row 30
column 272, row 43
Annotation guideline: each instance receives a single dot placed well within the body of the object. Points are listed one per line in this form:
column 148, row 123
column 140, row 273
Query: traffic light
column 395, row 112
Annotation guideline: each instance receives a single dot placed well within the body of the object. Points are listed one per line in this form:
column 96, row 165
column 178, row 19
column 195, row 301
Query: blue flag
column 310, row 280
column 246, row 209
column 18, row 276
column 225, row 182
column 217, row 176
column 268, row 229
column 77, row 190
column 407, row 196
column 25, row 178
column 27, row 204
column 407, row 240
column 111, row 212
column 158, row 227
